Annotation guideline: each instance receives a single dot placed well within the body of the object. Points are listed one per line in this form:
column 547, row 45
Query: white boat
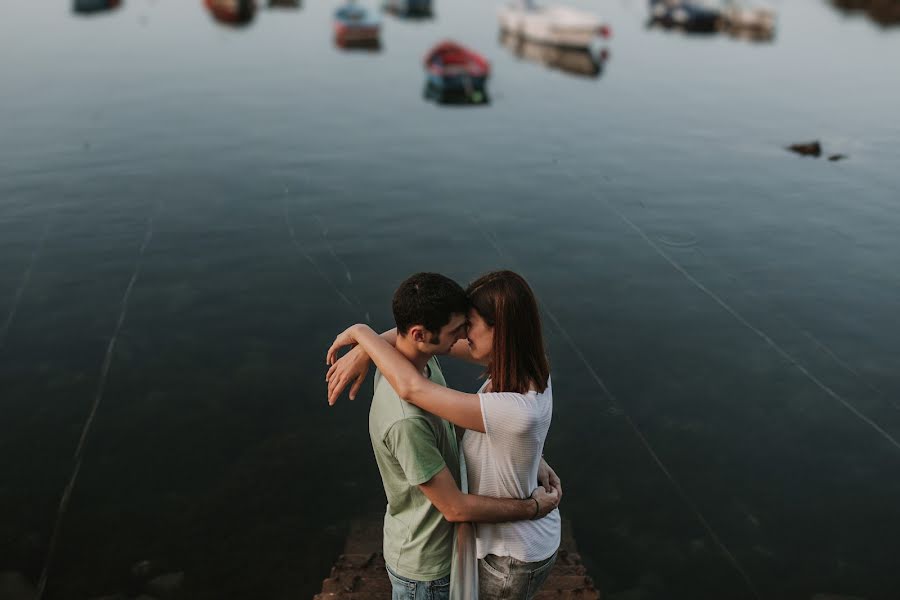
column 555, row 25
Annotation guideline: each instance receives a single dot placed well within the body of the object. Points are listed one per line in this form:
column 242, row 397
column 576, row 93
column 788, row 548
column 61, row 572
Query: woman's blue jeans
column 505, row 578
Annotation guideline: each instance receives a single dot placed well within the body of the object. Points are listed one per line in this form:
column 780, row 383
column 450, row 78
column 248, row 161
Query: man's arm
column 457, row 507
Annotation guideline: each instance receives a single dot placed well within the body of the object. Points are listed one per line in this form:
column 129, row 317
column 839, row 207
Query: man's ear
column 417, row 333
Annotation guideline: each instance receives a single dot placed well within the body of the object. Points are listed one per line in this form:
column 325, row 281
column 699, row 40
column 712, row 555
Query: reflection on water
column 345, row 42
column 232, row 12
column 92, row 6
column 455, row 96
column 588, row 63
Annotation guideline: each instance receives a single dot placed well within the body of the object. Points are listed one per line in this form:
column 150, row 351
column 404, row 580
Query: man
column 417, row 452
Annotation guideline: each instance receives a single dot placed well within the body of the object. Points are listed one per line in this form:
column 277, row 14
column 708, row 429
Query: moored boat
column 453, row 69
column 686, row 15
column 355, row 25
column 555, row 25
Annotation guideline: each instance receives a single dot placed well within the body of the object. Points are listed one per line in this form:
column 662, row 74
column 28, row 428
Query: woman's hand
column 345, row 338
column 352, row 367
column 547, row 501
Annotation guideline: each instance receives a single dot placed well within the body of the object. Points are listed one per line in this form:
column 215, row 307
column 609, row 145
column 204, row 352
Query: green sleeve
column 414, row 445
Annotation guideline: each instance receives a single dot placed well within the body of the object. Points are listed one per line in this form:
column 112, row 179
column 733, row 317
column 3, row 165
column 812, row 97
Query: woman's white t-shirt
column 503, row 462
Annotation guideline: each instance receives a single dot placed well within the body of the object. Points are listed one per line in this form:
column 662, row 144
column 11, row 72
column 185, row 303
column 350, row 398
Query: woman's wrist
column 359, row 331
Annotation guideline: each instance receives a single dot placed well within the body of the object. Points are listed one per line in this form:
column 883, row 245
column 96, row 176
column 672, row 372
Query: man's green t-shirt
column 411, row 446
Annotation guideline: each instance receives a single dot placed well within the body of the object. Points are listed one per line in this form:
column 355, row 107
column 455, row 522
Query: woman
column 506, row 422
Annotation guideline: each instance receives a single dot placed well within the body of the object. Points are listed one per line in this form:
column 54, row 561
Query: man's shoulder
column 388, row 408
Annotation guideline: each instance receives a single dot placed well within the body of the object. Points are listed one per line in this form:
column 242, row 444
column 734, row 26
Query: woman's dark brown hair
column 506, row 303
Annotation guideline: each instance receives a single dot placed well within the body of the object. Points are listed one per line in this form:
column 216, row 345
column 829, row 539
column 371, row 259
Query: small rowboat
column 354, row 26
column 552, row 25
column 453, row 67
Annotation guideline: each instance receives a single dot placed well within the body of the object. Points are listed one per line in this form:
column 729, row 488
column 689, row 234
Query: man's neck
column 407, row 348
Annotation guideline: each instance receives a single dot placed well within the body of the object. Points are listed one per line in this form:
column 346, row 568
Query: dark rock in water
column 884, row 12
column 166, row 586
column 14, row 586
column 835, row 597
column 807, row 149
column 113, row 597
column 837, row 157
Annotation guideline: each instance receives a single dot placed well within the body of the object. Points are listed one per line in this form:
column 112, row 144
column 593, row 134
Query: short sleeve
column 413, row 444
column 508, row 415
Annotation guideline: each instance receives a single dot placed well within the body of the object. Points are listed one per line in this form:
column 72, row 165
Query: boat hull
column 554, row 26
column 356, row 33
column 574, row 61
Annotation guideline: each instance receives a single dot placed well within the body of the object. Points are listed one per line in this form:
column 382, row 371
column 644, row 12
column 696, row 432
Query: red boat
column 453, row 66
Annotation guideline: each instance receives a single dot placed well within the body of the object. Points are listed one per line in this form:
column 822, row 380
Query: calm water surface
column 721, row 315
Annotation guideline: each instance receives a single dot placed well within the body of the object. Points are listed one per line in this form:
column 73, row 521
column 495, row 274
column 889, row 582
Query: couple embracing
column 450, row 459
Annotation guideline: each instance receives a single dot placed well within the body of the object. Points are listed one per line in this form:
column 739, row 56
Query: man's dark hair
column 428, row 299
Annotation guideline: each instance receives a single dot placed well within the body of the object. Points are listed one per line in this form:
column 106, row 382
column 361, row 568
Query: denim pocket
column 492, row 582
column 401, row 589
column 537, row 577
column 492, row 563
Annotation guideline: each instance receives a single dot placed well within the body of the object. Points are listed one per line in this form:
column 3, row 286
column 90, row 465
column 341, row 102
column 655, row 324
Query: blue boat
column 685, row 14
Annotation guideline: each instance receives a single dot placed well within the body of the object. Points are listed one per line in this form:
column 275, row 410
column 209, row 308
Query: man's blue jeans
column 407, row 589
